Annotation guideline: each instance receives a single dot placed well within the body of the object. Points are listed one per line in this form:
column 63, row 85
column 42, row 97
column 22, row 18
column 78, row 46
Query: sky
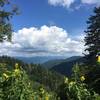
column 49, row 28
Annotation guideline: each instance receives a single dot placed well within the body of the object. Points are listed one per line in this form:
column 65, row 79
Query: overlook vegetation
column 16, row 83
column 36, row 73
column 22, row 81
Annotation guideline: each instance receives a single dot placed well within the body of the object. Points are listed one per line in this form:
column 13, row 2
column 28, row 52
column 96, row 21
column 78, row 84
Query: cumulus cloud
column 64, row 3
column 91, row 1
column 42, row 41
column 77, row 4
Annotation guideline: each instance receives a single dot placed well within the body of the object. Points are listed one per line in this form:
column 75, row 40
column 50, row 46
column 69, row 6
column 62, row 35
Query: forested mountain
column 52, row 63
column 36, row 73
column 65, row 67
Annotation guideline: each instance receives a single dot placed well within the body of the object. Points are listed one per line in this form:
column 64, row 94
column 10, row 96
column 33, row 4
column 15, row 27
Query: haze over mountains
column 60, row 64
column 40, row 59
column 55, row 62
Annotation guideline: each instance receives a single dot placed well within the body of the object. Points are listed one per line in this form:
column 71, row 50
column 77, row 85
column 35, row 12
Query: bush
column 15, row 85
column 75, row 88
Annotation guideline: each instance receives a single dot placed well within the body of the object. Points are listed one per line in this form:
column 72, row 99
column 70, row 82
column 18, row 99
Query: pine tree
column 92, row 42
column 92, row 39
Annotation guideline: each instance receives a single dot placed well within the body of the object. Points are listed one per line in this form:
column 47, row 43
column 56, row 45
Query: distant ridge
column 38, row 59
column 34, row 60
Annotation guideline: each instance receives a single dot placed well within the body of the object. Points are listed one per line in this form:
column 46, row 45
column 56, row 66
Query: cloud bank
column 68, row 3
column 91, row 1
column 43, row 41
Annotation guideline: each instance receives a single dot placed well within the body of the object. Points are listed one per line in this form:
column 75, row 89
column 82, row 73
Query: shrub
column 75, row 88
column 15, row 85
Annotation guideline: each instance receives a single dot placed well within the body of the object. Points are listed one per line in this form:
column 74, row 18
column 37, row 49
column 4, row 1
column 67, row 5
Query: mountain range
column 40, row 59
column 59, row 64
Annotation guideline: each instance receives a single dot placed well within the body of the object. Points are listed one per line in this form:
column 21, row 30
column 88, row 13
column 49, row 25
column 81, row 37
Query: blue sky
column 40, row 12
column 49, row 28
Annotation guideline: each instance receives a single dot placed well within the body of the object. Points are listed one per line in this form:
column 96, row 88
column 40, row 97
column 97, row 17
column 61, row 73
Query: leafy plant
column 15, row 85
column 75, row 88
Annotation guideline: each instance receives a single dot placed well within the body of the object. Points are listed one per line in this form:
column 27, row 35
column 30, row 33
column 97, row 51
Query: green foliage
column 92, row 74
column 92, row 39
column 75, row 88
column 92, row 43
column 5, row 16
column 15, row 85
column 48, row 78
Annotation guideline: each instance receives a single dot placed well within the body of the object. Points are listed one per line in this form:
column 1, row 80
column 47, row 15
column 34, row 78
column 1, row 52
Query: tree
column 5, row 16
column 92, row 38
column 92, row 42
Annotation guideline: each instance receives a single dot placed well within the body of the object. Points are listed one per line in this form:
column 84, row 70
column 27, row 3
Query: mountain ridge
column 52, row 63
column 65, row 68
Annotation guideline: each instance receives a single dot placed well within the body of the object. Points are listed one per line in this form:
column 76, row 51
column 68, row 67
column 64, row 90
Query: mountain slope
column 65, row 67
column 36, row 73
column 52, row 63
column 49, row 64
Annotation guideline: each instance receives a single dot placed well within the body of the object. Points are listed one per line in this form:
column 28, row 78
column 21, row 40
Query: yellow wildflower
column 66, row 80
column 17, row 72
column 98, row 60
column 82, row 78
column 16, row 66
column 46, row 98
column 5, row 75
column 72, row 83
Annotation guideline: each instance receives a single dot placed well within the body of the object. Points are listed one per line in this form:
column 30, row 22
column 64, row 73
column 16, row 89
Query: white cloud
column 64, row 3
column 44, row 41
column 77, row 4
column 91, row 1
column 8, row 48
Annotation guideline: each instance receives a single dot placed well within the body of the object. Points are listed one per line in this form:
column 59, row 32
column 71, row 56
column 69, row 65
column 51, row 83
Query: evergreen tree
column 5, row 16
column 92, row 42
column 92, row 39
